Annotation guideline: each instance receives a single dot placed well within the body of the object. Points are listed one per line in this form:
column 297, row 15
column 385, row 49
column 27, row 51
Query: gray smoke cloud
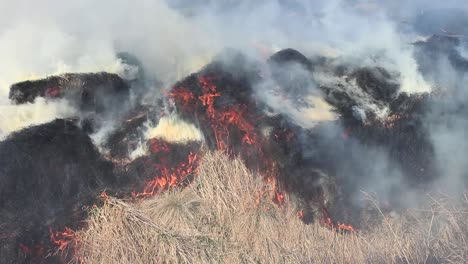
column 447, row 124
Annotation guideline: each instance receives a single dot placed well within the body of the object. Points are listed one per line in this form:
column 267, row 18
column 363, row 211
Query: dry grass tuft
column 226, row 216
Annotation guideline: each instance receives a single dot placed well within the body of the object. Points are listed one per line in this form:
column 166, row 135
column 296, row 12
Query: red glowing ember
column 104, row 196
column 53, row 92
column 300, row 214
column 35, row 250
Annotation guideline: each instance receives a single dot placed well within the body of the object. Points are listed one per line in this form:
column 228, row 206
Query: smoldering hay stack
column 52, row 174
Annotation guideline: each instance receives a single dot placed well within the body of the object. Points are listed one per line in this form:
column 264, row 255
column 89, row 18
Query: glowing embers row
column 167, row 175
column 66, row 242
column 278, row 196
column 327, row 222
column 338, row 227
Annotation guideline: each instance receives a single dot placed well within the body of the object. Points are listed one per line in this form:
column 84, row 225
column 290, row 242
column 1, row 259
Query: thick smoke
column 13, row 117
column 53, row 37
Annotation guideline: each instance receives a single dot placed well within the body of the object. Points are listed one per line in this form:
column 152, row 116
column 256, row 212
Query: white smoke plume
column 175, row 38
column 171, row 129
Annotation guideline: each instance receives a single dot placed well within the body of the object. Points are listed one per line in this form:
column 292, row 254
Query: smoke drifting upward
column 172, row 39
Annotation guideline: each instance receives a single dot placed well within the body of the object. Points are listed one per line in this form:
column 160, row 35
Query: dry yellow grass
column 226, row 216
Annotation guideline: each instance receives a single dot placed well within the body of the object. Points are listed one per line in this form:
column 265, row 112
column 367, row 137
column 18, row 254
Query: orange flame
column 104, row 196
column 279, row 197
column 170, row 177
column 184, row 95
column 327, row 221
column 64, row 239
column 300, row 214
column 25, row 249
column 345, row 227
